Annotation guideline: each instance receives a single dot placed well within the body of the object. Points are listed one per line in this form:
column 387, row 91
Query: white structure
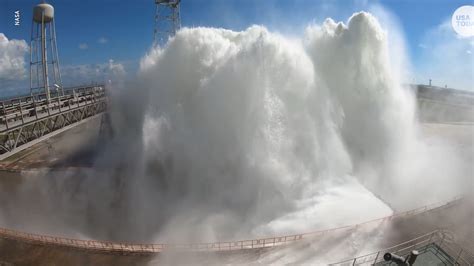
column 45, row 77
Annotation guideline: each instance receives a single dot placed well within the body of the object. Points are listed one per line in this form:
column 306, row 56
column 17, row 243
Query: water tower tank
column 43, row 9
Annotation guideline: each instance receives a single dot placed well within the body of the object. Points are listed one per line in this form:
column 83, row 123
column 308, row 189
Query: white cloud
column 87, row 73
column 116, row 69
column 102, row 40
column 447, row 60
column 422, row 45
column 12, row 58
column 83, row 46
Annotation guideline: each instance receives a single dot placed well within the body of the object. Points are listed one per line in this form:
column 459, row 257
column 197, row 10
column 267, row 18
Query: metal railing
column 15, row 112
column 214, row 246
column 439, row 238
column 438, row 102
column 28, row 119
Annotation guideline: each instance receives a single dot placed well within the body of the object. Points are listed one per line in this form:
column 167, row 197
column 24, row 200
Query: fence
column 438, row 237
column 26, row 120
column 18, row 111
column 216, row 246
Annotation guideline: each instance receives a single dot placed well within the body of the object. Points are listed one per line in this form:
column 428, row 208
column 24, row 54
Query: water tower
column 167, row 20
column 44, row 61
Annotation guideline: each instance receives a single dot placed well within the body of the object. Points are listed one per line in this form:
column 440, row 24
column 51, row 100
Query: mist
column 252, row 133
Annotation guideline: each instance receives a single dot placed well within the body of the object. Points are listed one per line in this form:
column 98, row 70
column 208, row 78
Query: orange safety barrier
column 215, row 246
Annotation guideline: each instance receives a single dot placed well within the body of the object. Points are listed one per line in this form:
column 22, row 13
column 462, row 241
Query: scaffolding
column 167, row 20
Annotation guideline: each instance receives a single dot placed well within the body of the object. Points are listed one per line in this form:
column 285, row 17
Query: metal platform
column 436, row 248
column 431, row 255
column 29, row 119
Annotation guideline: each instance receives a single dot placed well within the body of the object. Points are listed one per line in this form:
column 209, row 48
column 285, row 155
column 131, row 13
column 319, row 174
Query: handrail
column 452, row 104
column 211, row 246
column 70, row 88
column 434, row 237
column 26, row 100
column 26, row 109
column 50, row 115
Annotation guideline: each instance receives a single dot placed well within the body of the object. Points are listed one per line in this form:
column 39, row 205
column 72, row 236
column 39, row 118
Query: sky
column 97, row 36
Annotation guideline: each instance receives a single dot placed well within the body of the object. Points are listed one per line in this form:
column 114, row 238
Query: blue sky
column 126, row 27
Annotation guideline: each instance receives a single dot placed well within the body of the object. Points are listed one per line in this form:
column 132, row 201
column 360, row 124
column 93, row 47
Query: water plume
column 247, row 133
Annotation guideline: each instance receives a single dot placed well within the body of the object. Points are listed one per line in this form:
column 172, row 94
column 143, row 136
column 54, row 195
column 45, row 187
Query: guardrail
column 107, row 246
column 20, row 110
column 26, row 120
column 53, row 93
column 447, row 103
column 438, row 237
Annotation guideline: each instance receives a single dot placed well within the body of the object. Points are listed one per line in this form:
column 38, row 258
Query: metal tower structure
column 45, row 77
column 167, row 20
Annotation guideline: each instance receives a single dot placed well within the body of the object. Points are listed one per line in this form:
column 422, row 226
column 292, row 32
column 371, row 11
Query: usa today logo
column 463, row 21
